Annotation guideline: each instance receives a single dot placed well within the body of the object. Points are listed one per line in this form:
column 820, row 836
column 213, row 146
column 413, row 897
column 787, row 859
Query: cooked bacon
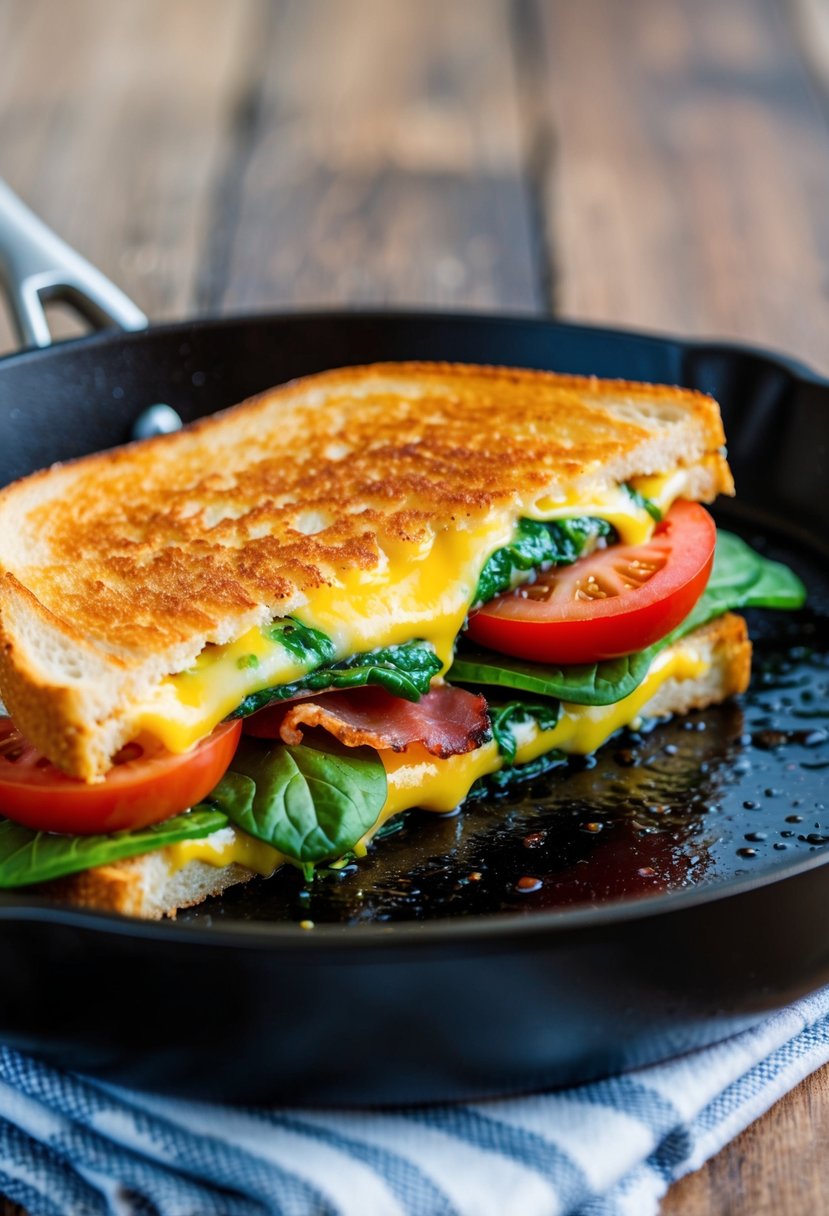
column 446, row 721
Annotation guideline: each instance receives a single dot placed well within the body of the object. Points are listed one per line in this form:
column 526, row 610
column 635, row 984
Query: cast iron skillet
column 656, row 925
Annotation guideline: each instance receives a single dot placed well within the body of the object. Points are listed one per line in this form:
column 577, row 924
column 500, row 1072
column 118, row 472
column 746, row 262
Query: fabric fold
column 609, row 1148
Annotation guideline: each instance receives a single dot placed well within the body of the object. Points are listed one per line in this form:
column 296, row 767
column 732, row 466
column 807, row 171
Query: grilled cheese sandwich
column 144, row 593
column 363, row 502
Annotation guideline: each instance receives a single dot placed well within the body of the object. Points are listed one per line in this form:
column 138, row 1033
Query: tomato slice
column 611, row 603
column 145, row 785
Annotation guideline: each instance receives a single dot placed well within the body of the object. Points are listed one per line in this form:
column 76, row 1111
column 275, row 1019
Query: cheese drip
column 420, row 590
column 417, row 779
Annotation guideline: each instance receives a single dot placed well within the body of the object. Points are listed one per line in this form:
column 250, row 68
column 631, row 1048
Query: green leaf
column 584, row 683
column 534, row 545
column 515, row 774
column 416, row 661
column 309, row 646
column 311, row 805
column 406, row 671
column 516, row 713
column 27, row 856
column 740, row 578
column 645, row 503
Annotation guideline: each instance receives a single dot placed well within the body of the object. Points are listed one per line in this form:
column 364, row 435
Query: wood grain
column 691, row 171
column 778, row 1165
column 211, row 156
column 113, row 121
column 381, row 162
column 809, row 20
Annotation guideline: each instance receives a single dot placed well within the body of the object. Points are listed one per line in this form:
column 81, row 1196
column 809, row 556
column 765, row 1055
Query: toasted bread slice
column 118, row 569
column 152, row 886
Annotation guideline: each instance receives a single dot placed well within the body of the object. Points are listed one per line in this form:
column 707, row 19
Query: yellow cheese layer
column 420, row 590
column 417, row 779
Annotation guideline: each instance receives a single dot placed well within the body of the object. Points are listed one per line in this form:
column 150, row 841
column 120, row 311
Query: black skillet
column 681, row 880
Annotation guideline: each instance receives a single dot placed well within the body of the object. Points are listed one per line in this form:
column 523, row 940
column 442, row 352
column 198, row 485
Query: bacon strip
column 446, row 721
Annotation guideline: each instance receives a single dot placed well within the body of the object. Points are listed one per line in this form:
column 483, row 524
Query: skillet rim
column 461, row 930
column 798, row 368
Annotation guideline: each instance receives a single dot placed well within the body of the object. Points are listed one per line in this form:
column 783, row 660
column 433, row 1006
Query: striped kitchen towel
column 71, row 1146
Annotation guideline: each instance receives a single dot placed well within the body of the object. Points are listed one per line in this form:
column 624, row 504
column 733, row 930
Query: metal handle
column 36, row 266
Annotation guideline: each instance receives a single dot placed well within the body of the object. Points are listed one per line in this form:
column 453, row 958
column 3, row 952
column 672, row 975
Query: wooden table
column 652, row 163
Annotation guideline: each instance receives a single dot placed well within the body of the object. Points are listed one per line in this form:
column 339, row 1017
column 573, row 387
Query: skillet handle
column 36, row 266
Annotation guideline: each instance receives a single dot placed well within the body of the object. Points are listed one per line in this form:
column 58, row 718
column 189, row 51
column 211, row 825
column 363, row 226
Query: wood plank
column 691, row 171
column 778, row 1165
column 384, row 163
column 809, row 20
column 113, row 119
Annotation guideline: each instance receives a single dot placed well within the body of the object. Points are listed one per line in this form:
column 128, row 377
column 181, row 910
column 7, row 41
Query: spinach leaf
column 534, row 545
column 516, row 713
column 308, row 645
column 511, row 775
column 583, row 683
column 311, row 805
column 416, row 661
column 740, row 578
column 645, row 503
column 27, row 856
column 406, row 671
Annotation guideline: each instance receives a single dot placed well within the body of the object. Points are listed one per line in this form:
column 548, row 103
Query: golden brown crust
column 160, row 540
column 733, row 652
column 142, row 886
column 54, row 712
column 111, row 888
column 130, row 561
column 726, row 643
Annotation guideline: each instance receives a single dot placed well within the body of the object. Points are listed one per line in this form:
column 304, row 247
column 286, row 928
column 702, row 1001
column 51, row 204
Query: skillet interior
column 555, row 1012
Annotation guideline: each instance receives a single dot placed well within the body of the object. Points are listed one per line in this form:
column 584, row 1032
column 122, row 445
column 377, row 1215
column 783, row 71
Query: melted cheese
column 228, row 846
column 632, row 522
column 417, row 779
column 419, row 590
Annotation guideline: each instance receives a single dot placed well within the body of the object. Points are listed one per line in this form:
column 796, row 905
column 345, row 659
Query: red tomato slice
column 613, row 602
column 144, row 786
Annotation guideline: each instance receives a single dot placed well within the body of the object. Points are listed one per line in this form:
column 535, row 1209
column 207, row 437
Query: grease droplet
column 527, row 884
column 534, row 839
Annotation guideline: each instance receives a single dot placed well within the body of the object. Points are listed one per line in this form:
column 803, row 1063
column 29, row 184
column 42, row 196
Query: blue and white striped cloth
column 70, row 1146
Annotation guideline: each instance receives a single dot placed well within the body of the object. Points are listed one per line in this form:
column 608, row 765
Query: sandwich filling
column 416, row 778
column 409, row 598
column 321, row 770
